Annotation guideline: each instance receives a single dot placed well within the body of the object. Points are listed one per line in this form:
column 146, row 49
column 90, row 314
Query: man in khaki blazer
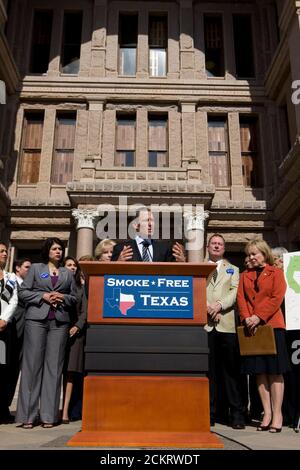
column 222, row 339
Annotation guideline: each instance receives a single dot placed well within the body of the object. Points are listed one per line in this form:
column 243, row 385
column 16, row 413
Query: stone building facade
column 9, row 84
column 159, row 102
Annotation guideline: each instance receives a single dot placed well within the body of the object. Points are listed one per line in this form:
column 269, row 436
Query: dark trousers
column 15, row 361
column 6, row 337
column 224, row 374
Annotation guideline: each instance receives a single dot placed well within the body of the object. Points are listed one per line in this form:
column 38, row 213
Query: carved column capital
column 85, row 218
column 195, row 221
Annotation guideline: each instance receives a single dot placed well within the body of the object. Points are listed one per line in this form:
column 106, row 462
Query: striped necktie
column 146, row 255
column 215, row 275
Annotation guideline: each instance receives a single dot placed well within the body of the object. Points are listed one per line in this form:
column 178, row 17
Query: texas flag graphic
column 123, row 301
column 126, row 302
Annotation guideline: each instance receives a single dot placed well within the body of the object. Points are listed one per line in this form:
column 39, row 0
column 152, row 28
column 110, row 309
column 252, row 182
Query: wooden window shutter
column 217, row 138
column 218, row 157
column 158, row 135
column 63, row 156
column 249, row 148
column 125, row 139
column 31, row 148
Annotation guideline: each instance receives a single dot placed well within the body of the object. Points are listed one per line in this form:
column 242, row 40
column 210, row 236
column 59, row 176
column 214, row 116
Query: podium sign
column 146, row 357
column 148, row 297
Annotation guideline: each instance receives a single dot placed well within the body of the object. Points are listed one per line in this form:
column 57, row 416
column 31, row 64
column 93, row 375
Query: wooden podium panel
column 151, row 411
column 145, row 385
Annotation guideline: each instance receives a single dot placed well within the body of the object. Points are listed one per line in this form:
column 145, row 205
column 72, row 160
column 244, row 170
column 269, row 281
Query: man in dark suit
column 143, row 247
column 20, row 268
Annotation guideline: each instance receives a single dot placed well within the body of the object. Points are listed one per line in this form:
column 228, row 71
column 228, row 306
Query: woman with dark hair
column 49, row 293
column 74, row 354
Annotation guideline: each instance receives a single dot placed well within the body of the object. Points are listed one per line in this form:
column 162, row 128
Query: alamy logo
column 296, row 354
column 296, row 93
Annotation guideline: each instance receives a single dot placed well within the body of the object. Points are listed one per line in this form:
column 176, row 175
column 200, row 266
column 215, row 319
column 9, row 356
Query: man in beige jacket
column 222, row 339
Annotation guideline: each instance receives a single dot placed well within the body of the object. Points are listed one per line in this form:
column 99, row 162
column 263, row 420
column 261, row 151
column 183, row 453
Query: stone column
column 109, row 138
column 194, row 232
column 86, row 43
column 80, row 151
column 85, row 230
column 141, row 138
column 56, row 41
column 112, row 47
column 187, row 53
column 99, row 39
column 235, row 162
column 173, row 44
column 202, row 145
column 95, row 130
column 142, row 61
column 188, row 133
column 43, row 185
column 174, row 136
column 229, row 58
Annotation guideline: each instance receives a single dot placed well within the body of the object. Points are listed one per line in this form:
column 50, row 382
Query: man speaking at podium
column 143, row 247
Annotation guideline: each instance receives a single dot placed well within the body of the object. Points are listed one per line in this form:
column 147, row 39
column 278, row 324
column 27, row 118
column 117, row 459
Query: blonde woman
column 260, row 294
column 104, row 250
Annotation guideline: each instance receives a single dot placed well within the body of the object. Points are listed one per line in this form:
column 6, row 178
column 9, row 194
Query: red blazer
column 266, row 302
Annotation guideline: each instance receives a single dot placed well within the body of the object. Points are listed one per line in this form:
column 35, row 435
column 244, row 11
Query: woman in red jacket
column 260, row 294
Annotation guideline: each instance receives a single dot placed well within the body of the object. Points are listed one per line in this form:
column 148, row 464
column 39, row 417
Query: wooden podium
column 146, row 382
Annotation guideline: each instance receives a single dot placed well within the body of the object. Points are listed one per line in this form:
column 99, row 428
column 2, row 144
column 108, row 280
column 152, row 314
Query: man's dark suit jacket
column 162, row 251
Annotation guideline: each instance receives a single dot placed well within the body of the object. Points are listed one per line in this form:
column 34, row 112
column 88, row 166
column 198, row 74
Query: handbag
column 262, row 343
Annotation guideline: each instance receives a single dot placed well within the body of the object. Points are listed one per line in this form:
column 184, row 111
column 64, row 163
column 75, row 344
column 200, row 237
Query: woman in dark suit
column 75, row 346
column 49, row 293
column 8, row 306
column 260, row 294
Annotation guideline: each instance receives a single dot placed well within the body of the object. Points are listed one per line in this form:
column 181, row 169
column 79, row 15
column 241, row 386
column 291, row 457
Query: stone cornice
column 229, row 205
column 39, row 208
column 95, row 193
column 121, row 187
column 109, row 89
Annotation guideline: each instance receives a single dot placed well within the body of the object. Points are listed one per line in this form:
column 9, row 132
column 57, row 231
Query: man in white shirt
column 143, row 247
